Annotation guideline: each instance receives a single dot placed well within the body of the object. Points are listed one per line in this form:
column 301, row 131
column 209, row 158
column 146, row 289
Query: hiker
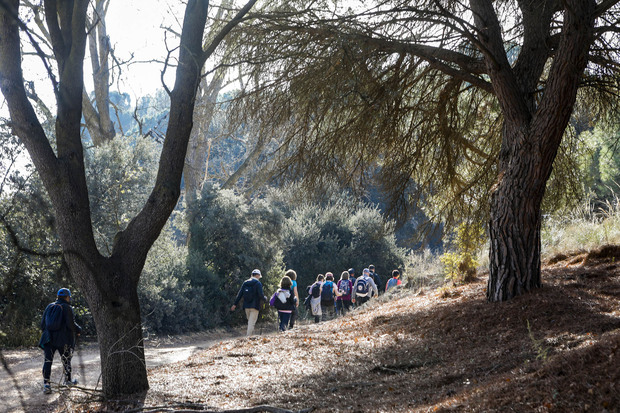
column 343, row 299
column 252, row 293
column 284, row 301
column 394, row 281
column 352, row 277
column 363, row 288
column 293, row 276
column 351, row 272
column 314, row 291
column 328, row 295
column 59, row 333
column 376, row 278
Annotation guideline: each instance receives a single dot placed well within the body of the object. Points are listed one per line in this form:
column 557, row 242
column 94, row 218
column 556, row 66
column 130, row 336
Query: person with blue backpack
column 252, row 293
column 59, row 334
column 328, row 296
column 364, row 288
column 343, row 299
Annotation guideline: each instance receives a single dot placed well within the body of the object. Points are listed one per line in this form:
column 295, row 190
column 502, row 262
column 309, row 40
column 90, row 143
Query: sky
column 134, row 27
column 137, row 27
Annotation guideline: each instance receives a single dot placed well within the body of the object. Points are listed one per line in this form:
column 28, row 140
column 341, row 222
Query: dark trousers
column 343, row 306
column 327, row 308
column 361, row 300
column 291, row 323
column 65, row 352
column 284, row 319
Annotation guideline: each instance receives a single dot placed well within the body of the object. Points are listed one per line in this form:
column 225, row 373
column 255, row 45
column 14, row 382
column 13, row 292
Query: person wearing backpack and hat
column 363, row 288
column 252, row 293
column 59, row 333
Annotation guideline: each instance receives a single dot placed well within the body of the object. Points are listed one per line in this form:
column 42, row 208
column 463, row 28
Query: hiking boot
column 71, row 382
column 47, row 389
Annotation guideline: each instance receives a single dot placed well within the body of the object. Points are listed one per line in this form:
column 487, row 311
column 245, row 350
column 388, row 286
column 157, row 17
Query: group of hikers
column 325, row 299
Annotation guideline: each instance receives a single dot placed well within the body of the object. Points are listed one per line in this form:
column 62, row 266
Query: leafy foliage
column 120, row 176
column 461, row 263
column 30, row 271
column 229, row 237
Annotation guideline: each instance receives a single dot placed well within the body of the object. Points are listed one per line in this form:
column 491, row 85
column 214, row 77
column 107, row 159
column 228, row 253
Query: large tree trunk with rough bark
column 119, row 333
column 514, row 226
column 534, row 124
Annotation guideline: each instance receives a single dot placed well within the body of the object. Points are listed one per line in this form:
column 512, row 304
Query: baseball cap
column 366, row 270
column 64, row 292
column 256, row 272
column 351, row 271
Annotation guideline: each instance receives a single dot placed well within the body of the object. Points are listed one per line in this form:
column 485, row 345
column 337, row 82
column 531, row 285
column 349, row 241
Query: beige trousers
column 252, row 315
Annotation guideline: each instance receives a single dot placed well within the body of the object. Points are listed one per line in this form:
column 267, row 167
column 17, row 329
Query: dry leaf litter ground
column 553, row 350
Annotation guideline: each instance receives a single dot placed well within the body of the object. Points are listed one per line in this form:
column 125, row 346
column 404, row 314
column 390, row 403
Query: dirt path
column 21, row 387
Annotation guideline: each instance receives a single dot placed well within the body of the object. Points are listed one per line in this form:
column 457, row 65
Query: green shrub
column 460, row 265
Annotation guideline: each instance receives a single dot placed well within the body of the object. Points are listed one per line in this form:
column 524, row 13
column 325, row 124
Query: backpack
column 279, row 305
column 362, row 286
column 392, row 282
column 249, row 291
column 328, row 291
column 345, row 287
column 315, row 290
column 53, row 317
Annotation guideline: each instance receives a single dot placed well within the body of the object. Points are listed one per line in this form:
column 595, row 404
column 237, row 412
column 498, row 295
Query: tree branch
column 225, row 30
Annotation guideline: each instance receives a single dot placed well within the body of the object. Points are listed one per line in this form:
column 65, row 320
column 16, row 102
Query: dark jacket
column 68, row 330
column 378, row 281
column 252, row 293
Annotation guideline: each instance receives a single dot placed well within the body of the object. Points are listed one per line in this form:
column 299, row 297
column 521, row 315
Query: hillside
column 555, row 350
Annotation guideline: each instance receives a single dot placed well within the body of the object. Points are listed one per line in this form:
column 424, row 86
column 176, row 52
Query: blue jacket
column 68, row 330
column 252, row 293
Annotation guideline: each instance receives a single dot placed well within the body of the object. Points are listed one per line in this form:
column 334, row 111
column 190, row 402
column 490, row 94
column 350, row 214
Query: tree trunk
column 121, row 346
column 533, row 131
column 111, row 292
column 514, row 227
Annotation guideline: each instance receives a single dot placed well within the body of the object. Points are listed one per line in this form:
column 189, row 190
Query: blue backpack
column 392, row 282
column 53, row 317
column 328, row 292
